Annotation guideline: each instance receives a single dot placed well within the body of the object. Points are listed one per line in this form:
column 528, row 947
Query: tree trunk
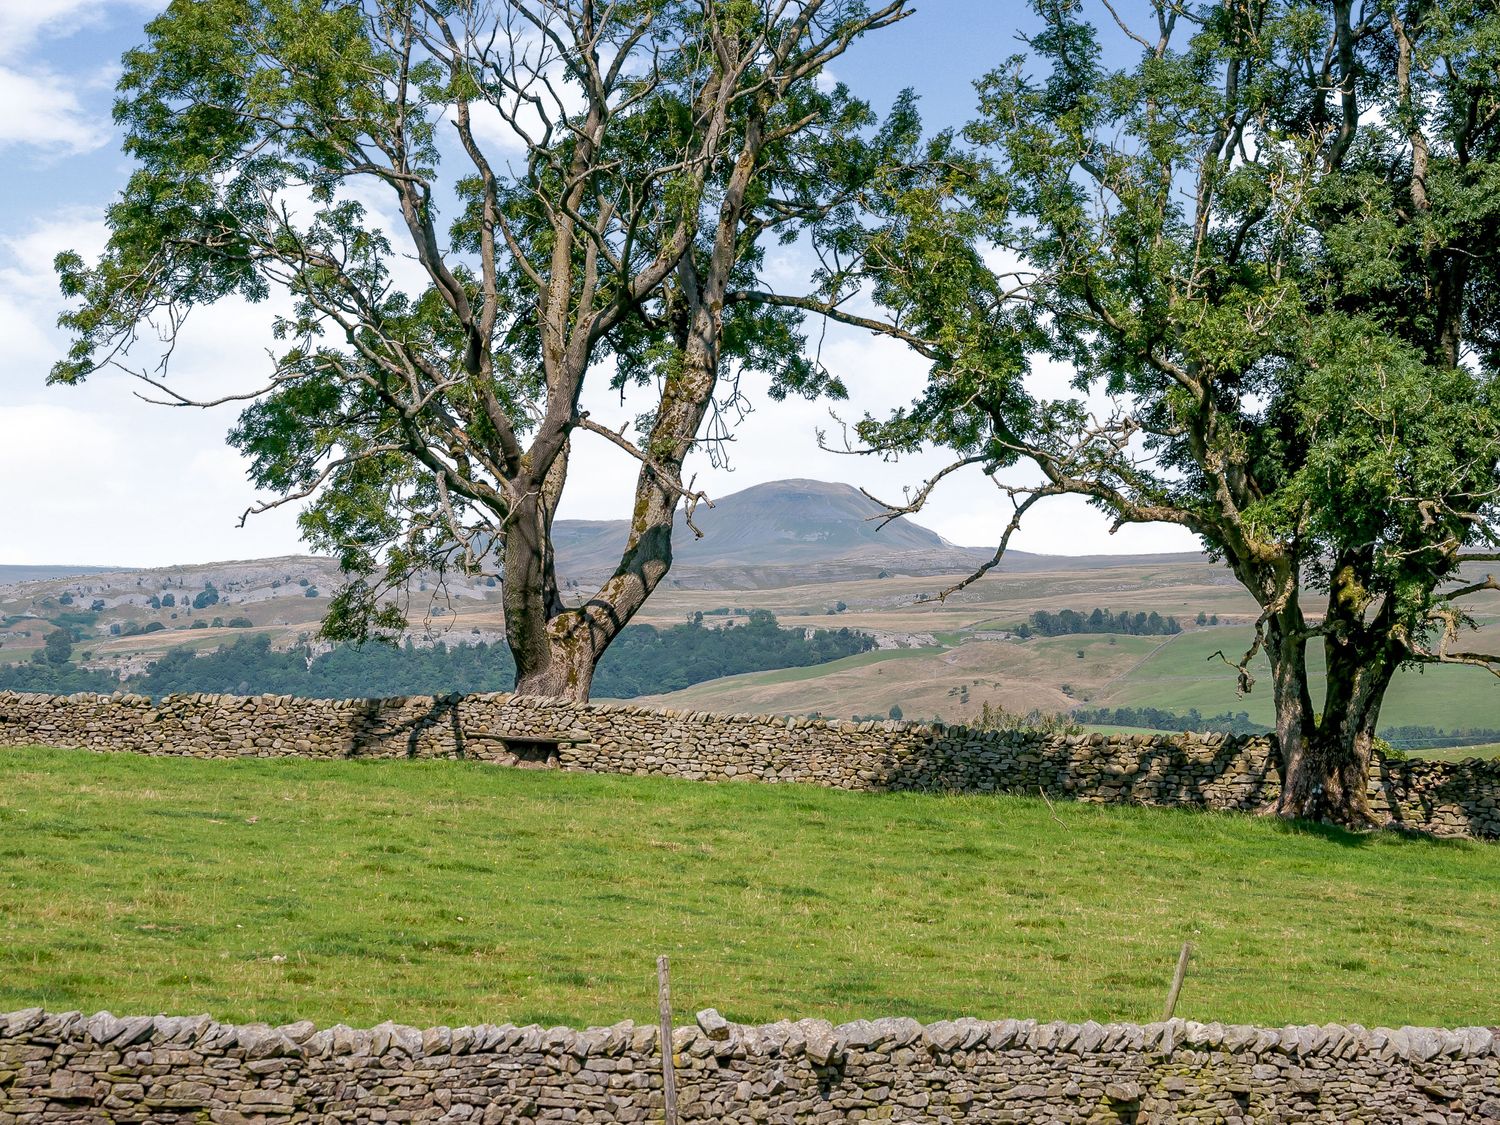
column 560, row 659
column 1325, row 777
column 556, row 648
column 1326, row 763
column 549, row 661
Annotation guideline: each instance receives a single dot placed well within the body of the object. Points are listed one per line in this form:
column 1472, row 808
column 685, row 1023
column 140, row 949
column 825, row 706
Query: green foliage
column 1156, row 718
column 58, row 646
column 55, row 679
column 207, row 597
column 646, row 660
column 421, row 419
column 1066, row 622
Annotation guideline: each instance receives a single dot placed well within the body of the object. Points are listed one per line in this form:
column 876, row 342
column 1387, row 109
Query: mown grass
column 454, row 892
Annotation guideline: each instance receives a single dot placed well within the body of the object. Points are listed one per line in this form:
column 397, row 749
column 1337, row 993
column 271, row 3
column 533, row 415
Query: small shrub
column 994, row 717
column 58, row 647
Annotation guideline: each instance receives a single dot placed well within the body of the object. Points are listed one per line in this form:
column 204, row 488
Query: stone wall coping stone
column 819, row 1039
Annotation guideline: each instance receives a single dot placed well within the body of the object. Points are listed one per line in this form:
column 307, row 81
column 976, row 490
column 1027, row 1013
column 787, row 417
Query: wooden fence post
column 664, row 1013
column 1182, row 964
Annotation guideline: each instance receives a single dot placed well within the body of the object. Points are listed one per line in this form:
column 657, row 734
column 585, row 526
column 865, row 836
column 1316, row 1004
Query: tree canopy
column 466, row 211
column 1267, row 245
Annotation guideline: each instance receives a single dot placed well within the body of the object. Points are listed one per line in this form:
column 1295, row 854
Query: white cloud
column 29, row 297
column 115, row 482
column 24, row 22
column 42, row 111
column 92, row 474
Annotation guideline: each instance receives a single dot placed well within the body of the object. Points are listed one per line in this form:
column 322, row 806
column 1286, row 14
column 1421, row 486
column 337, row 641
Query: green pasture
column 706, row 690
column 1185, row 674
column 456, row 892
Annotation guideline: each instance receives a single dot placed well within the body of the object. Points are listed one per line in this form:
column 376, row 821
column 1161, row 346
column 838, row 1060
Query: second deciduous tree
column 1270, row 248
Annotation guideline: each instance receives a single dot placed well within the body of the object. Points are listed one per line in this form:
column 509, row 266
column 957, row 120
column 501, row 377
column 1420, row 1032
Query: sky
column 93, row 475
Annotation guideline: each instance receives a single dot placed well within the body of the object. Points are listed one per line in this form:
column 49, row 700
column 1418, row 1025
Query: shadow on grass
column 1361, row 838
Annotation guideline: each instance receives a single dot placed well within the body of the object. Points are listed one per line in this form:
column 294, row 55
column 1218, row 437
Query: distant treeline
column 1154, row 718
column 1420, row 738
column 642, row 660
column 56, row 679
column 1068, row 621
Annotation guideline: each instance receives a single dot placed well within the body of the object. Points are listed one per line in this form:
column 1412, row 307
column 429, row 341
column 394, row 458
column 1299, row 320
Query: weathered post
column 1182, row 964
column 664, row 1013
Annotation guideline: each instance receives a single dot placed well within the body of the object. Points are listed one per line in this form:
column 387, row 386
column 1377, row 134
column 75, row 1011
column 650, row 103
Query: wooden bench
column 532, row 751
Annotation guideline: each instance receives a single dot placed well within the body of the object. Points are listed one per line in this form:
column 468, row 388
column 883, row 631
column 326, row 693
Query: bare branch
column 664, row 474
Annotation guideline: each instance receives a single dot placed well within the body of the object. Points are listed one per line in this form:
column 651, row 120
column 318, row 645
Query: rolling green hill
column 1184, row 674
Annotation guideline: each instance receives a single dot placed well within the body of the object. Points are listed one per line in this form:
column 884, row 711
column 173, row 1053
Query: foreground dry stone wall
column 70, row 1068
column 1205, row 771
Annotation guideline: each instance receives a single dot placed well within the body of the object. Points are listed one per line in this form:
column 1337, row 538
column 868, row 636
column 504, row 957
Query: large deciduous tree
column 1271, row 245
column 577, row 183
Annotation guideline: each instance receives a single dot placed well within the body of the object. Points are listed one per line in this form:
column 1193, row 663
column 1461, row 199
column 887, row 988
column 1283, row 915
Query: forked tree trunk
column 1326, row 761
column 557, row 648
column 532, row 603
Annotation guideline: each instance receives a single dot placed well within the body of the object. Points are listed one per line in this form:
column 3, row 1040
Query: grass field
column 1184, row 674
column 1458, row 753
column 457, row 893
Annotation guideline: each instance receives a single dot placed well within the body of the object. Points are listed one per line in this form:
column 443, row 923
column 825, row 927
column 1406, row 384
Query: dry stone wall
column 64, row 1067
column 1205, row 771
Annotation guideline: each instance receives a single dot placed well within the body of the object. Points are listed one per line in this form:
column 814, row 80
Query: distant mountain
column 789, row 521
column 779, row 534
column 793, row 532
column 769, row 534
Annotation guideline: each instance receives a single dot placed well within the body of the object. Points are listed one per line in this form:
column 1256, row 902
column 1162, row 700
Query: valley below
column 936, row 656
